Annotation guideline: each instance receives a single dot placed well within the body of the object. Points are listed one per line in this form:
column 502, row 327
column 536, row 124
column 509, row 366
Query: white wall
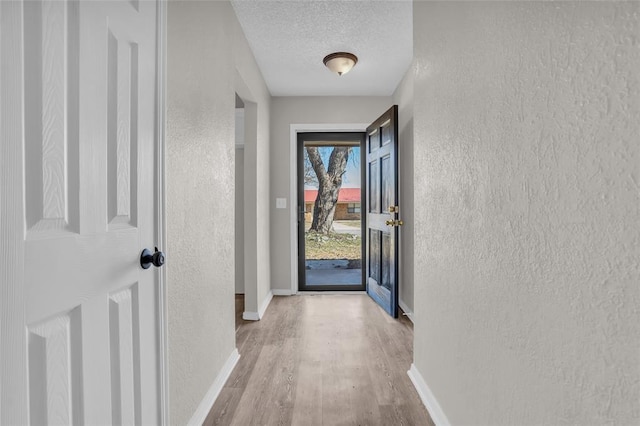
column 403, row 97
column 527, row 195
column 250, row 86
column 286, row 111
column 206, row 52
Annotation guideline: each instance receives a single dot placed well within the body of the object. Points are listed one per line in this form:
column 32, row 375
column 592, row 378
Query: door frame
column 355, row 137
column 294, row 129
column 161, row 205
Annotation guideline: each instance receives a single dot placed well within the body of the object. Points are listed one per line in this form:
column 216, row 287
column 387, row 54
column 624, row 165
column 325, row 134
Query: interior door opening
column 330, row 221
column 239, row 207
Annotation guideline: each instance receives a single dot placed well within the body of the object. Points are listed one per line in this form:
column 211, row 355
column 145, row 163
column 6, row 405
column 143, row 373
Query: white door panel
column 80, row 341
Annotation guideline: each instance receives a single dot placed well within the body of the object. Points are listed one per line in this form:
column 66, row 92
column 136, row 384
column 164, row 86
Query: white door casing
column 81, row 325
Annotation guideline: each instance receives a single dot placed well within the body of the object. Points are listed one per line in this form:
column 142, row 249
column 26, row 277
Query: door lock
column 394, row 209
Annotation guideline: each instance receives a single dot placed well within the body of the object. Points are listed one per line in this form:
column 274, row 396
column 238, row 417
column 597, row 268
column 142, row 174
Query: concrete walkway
column 341, row 228
column 334, row 277
column 332, row 272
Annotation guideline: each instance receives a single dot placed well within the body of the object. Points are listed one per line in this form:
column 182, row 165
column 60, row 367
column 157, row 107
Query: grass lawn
column 332, row 246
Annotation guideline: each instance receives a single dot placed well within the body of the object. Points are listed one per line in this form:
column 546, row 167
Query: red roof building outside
column 346, row 195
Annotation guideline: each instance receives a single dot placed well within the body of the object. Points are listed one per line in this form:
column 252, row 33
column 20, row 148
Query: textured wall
column 304, row 110
column 250, row 85
column 527, row 190
column 205, row 53
column 403, row 97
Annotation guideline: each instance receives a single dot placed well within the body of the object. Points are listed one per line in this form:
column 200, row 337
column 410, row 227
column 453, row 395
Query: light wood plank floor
column 322, row 360
column 239, row 311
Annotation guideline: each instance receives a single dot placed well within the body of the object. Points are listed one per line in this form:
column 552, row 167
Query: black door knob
column 147, row 258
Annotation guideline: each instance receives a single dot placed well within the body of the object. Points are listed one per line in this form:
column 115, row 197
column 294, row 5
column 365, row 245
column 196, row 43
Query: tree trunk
column 329, row 183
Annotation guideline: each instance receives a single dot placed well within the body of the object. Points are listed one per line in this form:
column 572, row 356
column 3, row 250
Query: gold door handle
column 394, row 223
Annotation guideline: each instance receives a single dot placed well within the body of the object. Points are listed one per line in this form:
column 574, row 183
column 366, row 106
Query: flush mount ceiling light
column 340, row 62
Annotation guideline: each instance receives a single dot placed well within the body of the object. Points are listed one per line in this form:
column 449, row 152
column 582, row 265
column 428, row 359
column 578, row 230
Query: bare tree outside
column 329, row 182
column 310, row 178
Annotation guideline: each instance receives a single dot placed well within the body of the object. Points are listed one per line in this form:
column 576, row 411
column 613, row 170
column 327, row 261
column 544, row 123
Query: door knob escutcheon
column 147, row 258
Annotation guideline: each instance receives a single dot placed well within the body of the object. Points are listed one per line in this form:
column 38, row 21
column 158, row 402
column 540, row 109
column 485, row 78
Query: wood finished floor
column 321, row 360
column 239, row 311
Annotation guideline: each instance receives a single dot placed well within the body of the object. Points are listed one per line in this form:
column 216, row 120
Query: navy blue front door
column 382, row 211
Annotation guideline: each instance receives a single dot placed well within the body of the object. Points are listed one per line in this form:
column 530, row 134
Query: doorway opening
column 331, row 192
column 239, row 207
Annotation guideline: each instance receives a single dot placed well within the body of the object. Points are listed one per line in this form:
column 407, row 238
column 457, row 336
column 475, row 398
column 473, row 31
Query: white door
column 80, row 322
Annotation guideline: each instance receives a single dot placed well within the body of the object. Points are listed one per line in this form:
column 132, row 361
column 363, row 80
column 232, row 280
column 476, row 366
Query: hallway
column 322, row 360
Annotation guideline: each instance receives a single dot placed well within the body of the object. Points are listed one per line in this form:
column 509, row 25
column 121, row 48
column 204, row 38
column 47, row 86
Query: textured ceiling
column 290, row 38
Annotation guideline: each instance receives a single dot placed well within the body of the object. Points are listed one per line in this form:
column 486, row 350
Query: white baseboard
column 429, row 401
column 255, row 316
column 265, row 304
column 214, row 391
column 281, row 292
column 405, row 308
column 250, row 316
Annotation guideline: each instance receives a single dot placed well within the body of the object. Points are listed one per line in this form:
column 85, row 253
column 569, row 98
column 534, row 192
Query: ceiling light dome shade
column 340, row 62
